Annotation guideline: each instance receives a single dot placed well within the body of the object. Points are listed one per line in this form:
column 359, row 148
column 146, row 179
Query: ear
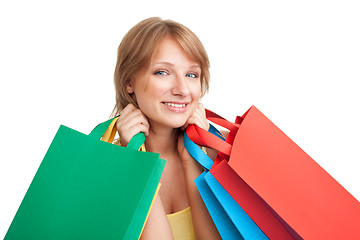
column 129, row 87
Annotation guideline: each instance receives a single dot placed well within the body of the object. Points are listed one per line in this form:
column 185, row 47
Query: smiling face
column 168, row 89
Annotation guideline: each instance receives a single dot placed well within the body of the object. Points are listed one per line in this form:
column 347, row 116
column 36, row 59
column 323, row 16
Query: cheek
column 196, row 91
column 155, row 86
column 195, row 95
column 149, row 95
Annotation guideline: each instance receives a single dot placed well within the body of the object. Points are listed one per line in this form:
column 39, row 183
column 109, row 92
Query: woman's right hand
column 131, row 122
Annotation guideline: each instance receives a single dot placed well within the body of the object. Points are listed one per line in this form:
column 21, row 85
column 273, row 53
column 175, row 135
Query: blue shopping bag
column 230, row 219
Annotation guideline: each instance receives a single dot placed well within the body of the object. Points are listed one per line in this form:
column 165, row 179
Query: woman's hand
column 131, row 122
column 198, row 118
column 204, row 226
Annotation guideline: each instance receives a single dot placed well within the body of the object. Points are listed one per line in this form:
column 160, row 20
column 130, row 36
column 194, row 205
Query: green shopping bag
column 86, row 188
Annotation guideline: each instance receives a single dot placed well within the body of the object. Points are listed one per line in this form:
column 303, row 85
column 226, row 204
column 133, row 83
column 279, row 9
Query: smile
column 175, row 105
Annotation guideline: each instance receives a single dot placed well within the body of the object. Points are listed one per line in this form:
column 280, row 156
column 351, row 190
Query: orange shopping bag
column 286, row 193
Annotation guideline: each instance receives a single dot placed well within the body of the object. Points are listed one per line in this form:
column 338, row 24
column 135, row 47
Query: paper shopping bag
column 86, row 188
column 282, row 188
column 230, row 219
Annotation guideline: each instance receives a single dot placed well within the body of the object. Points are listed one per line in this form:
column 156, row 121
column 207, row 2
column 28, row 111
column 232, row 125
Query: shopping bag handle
column 110, row 132
column 217, row 119
column 136, row 141
column 101, row 128
column 197, row 153
column 106, row 131
column 207, row 139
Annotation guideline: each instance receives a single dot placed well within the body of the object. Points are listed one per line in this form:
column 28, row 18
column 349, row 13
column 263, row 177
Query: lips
column 177, row 105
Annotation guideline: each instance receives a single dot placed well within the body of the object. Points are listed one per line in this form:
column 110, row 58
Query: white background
column 297, row 61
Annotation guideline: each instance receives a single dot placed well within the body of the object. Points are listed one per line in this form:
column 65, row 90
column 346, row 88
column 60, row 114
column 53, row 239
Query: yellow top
column 180, row 222
column 182, row 225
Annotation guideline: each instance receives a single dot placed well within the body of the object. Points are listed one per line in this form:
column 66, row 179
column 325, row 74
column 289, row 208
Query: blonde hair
column 137, row 48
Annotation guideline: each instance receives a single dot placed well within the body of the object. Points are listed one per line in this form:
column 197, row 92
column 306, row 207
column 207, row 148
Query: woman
column 162, row 71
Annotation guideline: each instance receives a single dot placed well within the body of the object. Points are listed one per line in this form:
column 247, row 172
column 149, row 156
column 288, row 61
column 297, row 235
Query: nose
column 180, row 87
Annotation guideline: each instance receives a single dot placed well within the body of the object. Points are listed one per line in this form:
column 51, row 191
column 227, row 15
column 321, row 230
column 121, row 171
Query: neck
column 162, row 140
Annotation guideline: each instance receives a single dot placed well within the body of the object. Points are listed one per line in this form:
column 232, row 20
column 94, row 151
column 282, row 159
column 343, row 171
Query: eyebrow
column 171, row 64
column 163, row 63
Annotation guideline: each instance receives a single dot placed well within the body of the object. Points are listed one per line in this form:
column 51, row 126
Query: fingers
column 132, row 118
column 198, row 118
column 202, row 109
column 131, row 122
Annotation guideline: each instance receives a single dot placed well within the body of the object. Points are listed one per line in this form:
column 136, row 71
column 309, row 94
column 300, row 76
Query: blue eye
column 191, row 75
column 161, row 73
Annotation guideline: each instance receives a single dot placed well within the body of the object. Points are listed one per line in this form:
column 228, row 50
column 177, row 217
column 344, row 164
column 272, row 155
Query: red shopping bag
column 280, row 187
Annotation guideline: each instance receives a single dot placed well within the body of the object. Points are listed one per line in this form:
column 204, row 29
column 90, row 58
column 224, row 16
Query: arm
column 203, row 224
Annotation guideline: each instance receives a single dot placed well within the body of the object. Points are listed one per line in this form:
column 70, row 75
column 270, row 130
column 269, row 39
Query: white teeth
column 175, row 105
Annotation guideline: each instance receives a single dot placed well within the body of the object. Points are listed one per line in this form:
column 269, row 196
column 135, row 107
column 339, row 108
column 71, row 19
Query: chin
column 176, row 124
